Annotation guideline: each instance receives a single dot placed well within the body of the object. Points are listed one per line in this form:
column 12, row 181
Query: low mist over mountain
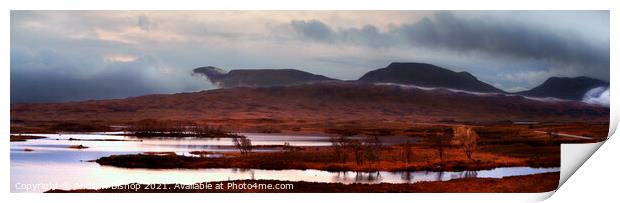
column 119, row 54
column 258, row 77
column 427, row 75
column 565, row 88
column 419, row 74
column 317, row 102
column 584, row 89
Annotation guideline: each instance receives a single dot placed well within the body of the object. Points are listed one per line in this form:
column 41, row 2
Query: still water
column 51, row 165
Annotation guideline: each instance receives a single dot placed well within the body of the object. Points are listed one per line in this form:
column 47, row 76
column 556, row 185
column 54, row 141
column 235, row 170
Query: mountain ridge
column 317, row 102
column 570, row 88
column 258, row 77
column 427, row 75
column 404, row 73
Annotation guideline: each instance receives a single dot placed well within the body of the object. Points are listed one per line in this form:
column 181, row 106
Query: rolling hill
column 258, row 77
column 565, row 88
column 427, row 75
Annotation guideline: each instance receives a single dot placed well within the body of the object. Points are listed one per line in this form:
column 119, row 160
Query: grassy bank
column 22, row 138
column 517, row 184
column 325, row 158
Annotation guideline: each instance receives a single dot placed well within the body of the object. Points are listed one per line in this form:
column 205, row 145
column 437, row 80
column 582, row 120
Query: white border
column 311, row 5
column 289, row 5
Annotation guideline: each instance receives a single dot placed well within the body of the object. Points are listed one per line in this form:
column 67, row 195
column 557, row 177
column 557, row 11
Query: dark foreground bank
column 517, row 184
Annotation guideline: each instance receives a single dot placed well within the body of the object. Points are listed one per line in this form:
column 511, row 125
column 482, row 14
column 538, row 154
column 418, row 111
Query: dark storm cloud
column 58, row 70
column 445, row 32
column 507, row 38
column 77, row 55
column 47, row 77
column 313, row 29
column 58, row 87
column 368, row 35
column 316, row 30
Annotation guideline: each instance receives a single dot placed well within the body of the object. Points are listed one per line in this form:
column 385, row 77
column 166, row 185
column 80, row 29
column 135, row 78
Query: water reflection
column 51, row 162
column 470, row 174
column 356, row 177
column 75, row 175
column 417, row 176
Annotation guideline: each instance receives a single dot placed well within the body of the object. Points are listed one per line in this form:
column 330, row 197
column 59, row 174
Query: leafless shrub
column 407, row 152
column 340, row 145
column 468, row 139
column 243, row 144
column 372, row 147
column 358, row 151
column 440, row 141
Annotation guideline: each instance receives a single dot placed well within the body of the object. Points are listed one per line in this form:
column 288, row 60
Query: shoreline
column 23, row 138
column 543, row 182
column 322, row 158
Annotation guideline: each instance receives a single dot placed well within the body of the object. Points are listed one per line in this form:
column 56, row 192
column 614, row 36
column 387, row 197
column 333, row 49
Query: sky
column 59, row 56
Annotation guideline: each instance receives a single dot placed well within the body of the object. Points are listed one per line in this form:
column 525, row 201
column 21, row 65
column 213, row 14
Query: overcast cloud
column 78, row 55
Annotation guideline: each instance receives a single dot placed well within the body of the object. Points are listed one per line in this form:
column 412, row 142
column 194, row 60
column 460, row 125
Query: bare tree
column 358, row 151
column 440, row 141
column 468, row 139
column 407, row 152
column 340, row 145
column 243, row 144
column 372, row 147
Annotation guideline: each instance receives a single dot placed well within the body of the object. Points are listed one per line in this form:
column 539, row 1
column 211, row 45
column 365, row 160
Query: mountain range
column 417, row 74
column 316, row 103
column 392, row 95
